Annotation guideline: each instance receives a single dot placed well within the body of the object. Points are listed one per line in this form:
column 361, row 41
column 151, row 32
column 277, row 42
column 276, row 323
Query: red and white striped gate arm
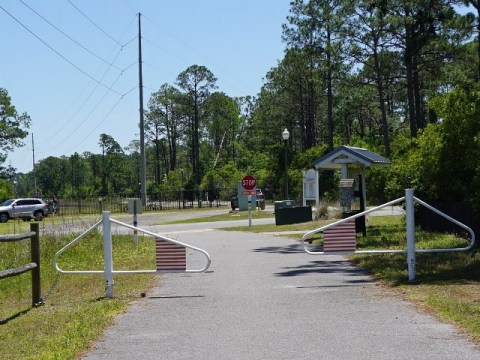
column 162, row 258
column 170, row 256
column 341, row 238
column 327, row 230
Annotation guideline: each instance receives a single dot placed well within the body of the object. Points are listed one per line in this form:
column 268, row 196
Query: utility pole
column 143, row 162
column 34, row 176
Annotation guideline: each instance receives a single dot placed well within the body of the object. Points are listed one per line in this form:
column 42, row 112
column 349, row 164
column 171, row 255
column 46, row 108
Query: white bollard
column 411, row 261
column 107, row 253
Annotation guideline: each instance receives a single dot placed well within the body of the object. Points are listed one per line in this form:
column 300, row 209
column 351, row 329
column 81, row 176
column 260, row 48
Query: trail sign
column 249, row 182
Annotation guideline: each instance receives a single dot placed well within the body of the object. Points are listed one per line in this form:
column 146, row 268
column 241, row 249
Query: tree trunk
column 381, row 98
column 329, row 95
column 157, row 161
column 476, row 4
column 417, row 96
column 196, row 144
column 409, row 66
column 410, row 97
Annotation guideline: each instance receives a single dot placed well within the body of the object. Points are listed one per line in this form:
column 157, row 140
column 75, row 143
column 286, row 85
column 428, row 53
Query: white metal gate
column 170, row 254
column 340, row 236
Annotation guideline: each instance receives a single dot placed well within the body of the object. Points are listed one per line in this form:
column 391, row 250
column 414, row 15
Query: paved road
column 263, row 299
column 150, row 221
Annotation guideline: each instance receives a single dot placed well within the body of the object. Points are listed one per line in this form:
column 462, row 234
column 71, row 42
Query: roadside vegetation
column 360, row 82
column 447, row 285
column 235, row 215
column 75, row 312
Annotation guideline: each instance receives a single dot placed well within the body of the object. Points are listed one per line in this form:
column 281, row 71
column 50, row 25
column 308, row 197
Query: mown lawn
column 76, row 311
column 446, row 285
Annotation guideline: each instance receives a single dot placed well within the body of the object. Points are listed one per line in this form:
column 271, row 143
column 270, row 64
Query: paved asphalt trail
column 263, row 299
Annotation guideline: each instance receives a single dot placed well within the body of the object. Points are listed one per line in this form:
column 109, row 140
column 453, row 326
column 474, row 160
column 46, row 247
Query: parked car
column 26, row 209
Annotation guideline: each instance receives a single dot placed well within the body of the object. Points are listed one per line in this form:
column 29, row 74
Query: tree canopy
column 397, row 77
column 13, row 126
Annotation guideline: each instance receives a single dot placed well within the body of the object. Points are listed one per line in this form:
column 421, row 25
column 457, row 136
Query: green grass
column 447, row 285
column 237, row 215
column 76, row 311
column 281, row 228
column 20, row 226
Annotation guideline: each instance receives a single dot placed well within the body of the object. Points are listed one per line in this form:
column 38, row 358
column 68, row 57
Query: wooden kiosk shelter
column 351, row 161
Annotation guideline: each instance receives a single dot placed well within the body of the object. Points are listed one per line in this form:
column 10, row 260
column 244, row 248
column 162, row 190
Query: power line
column 58, row 53
column 130, row 6
column 198, row 53
column 104, row 118
column 59, row 130
column 93, row 23
column 74, row 131
column 159, row 68
column 68, row 36
column 165, row 50
column 180, row 58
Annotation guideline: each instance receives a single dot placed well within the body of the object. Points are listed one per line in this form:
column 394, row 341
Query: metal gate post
column 411, row 261
column 107, row 253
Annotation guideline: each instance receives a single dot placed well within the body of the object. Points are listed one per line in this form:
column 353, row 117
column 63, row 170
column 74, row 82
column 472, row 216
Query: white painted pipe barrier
column 108, row 258
column 410, row 232
column 410, row 209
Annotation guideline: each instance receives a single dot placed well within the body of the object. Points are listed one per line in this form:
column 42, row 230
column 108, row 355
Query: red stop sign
column 249, row 182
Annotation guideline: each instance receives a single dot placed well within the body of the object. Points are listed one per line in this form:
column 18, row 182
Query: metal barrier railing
column 108, row 258
column 409, row 199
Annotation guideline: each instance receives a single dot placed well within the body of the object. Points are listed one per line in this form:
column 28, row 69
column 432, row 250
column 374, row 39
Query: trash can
column 359, row 221
column 284, row 204
column 234, row 202
column 292, row 215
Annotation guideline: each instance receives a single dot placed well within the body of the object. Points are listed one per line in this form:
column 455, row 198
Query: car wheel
column 262, row 205
column 38, row 216
column 3, row 217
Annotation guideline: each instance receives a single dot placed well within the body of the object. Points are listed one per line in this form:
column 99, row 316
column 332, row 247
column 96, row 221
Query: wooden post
column 35, row 253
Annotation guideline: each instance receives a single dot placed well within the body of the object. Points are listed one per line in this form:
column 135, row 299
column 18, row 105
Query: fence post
column 35, row 256
column 411, row 261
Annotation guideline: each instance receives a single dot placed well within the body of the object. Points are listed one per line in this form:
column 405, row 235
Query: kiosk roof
column 351, row 156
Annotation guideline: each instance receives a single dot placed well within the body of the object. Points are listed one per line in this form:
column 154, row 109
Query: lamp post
column 182, row 189
column 285, row 136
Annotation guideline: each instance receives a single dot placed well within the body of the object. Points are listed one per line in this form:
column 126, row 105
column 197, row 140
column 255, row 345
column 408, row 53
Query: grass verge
column 447, row 285
column 236, row 215
column 75, row 312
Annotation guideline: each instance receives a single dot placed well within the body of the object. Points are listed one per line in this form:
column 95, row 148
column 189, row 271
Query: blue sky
column 76, row 74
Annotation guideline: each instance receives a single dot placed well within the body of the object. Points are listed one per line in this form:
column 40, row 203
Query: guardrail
column 168, row 263
column 33, row 266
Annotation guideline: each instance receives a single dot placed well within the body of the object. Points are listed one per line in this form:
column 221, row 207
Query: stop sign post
column 249, row 183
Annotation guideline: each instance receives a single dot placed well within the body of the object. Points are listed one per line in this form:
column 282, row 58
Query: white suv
column 26, row 209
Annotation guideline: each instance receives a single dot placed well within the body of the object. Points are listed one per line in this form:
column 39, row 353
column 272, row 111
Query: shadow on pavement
column 323, row 267
column 290, row 249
